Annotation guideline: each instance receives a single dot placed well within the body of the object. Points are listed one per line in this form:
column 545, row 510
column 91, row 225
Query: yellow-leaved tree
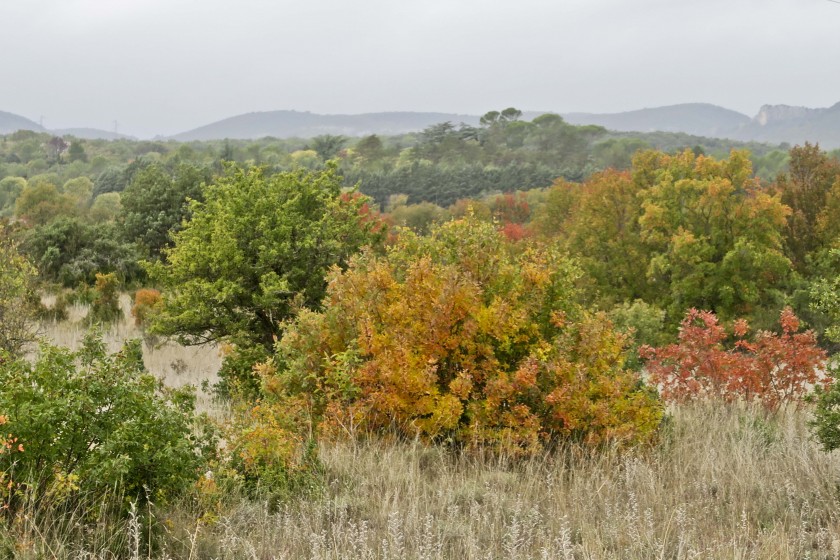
column 461, row 336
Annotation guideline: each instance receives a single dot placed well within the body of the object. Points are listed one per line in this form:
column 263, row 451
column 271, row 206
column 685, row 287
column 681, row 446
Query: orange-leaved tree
column 147, row 301
column 462, row 336
column 598, row 222
column 772, row 368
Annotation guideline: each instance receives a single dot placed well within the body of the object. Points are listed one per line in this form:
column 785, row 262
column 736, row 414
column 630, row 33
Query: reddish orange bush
column 515, row 232
column 772, row 368
column 146, row 301
column 511, row 208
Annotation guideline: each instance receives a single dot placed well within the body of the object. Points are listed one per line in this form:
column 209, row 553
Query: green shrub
column 643, row 323
column 270, row 451
column 94, row 424
column 18, row 297
column 81, row 295
column 106, row 304
column 8, row 446
column 237, row 377
column 826, row 421
column 58, row 311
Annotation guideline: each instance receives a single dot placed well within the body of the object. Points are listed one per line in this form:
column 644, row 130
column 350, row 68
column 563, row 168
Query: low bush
column 270, row 450
column 94, row 424
column 56, row 312
column 18, row 297
column 9, row 445
column 772, row 368
column 147, row 302
column 105, row 307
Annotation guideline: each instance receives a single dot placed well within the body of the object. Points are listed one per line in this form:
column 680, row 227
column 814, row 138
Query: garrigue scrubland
column 723, row 482
column 246, row 362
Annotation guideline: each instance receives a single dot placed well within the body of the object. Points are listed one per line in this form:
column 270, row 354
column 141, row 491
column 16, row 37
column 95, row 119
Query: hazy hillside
column 794, row 125
column 701, row 119
column 91, row 134
column 9, row 122
column 774, row 124
column 288, row 124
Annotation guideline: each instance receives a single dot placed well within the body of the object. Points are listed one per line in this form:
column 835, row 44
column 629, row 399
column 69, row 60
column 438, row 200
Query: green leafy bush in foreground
column 93, row 424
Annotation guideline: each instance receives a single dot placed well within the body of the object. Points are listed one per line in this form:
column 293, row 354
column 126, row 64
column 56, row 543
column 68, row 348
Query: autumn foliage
column 267, row 444
column 105, row 307
column 772, row 369
column 147, row 301
column 462, row 337
column 512, row 212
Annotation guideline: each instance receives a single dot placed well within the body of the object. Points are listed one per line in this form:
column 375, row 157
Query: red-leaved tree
column 772, row 369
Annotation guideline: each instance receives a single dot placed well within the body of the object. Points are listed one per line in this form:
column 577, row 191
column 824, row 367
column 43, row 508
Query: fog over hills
column 773, row 124
column 700, row 119
column 794, row 125
column 697, row 119
column 9, row 122
column 288, row 124
column 91, row 134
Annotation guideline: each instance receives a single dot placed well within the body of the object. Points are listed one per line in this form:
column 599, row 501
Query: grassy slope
column 723, row 483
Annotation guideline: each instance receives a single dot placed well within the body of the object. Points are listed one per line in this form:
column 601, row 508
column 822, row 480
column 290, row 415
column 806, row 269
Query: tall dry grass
column 176, row 365
column 723, row 482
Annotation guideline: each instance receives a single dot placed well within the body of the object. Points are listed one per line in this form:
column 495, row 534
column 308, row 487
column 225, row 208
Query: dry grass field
column 723, row 482
column 175, row 364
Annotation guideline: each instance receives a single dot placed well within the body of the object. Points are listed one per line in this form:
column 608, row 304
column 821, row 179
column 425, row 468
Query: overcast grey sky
column 164, row 66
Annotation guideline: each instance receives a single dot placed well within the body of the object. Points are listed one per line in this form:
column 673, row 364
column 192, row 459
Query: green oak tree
column 40, row 203
column 155, row 203
column 106, row 207
column 17, row 294
column 805, row 188
column 256, row 250
column 10, row 189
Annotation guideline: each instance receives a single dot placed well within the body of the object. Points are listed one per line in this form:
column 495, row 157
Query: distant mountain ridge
column 699, row 119
column 9, row 122
column 794, row 125
column 773, row 124
column 303, row 124
column 85, row 133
